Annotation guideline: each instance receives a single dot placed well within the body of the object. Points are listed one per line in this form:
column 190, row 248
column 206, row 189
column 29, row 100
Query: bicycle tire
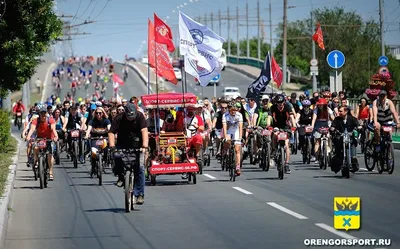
column 281, row 163
column 41, row 172
column 390, row 152
column 309, row 146
column 75, row 154
column 100, row 169
column 268, row 157
column 127, row 191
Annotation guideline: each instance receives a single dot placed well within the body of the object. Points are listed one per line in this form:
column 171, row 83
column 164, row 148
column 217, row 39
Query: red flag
column 277, row 75
column 118, row 79
column 163, row 64
column 318, row 37
column 163, row 34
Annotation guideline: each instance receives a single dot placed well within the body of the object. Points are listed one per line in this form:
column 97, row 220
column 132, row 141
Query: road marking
column 243, row 191
column 334, row 231
column 290, row 212
column 209, row 176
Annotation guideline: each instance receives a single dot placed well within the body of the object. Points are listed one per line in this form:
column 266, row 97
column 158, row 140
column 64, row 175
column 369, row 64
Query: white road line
column 209, row 176
column 334, row 231
column 290, row 212
column 243, row 191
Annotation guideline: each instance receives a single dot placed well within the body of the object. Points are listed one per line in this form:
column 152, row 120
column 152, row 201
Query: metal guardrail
column 293, row 73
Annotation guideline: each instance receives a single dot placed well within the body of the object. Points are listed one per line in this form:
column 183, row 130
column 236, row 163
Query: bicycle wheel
column 268, row 158
column 369, row 160
column 309, row 146
column 100, row 169
column 325, row 157
column 281, row 163
column 76, row 151
column 41, row 172
column 57, row 156
column 127, row 191
column 390, row 158
column 250, row 149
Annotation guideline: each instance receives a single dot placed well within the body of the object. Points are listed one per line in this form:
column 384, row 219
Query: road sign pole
column 336, row 82
column 215, row 90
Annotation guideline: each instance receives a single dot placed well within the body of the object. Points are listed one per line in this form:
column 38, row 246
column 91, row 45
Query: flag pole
column 158, row 109
column 148, row 78
column 183, row 87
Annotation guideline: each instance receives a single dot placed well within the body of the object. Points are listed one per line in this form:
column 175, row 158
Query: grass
column 5, row 162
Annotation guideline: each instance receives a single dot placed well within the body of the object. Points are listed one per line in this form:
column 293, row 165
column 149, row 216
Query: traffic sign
column 383, row 61
column 314, row 62
column 217, row 77
column 314, row 70
column 336, row 59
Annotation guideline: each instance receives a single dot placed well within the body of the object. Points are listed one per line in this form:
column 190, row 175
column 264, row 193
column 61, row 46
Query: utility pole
column 381, row 27
column 285, row 2
column 314, row 77
column 219, row 21
column 229, row 33
column 212, row 21
column 258, row 31
column 247, row 30
column 270, row 29
column 237, row 34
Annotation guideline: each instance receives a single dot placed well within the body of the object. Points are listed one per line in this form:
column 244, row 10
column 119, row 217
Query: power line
column 105, row 6
column 90, row 3
column 79, row 6
column 95, row 5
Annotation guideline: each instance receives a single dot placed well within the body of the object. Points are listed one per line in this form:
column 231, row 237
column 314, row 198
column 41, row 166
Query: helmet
column 280, row 98
column 306, row 102
column 322, row 101
column 238, row 105
column 327, row 94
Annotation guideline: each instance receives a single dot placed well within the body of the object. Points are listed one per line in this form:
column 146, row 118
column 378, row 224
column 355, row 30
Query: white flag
column 201, row 48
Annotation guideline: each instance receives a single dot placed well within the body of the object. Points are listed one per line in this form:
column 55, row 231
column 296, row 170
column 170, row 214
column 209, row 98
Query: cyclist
column 305, row 119
column 383, row 112
column 129, row 126
column 18, row 108
column 232, row 122
column 45, row 128
column 321, row 118
column 283, row 117
column 217, row 124
column 340, row 123
column 74, row 121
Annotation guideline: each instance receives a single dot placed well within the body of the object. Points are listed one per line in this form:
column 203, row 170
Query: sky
column 120, row 26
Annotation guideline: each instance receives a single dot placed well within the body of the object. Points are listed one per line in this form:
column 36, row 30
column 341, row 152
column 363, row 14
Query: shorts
column 195, row 140
column 236, row 138
column 219, row 133
column 204, row 134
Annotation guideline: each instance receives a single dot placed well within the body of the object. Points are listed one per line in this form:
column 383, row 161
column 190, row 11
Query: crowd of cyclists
column 217, row 123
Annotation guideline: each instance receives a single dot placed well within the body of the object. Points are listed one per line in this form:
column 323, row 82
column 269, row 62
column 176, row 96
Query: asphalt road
column 256, row 211
column 229, row 78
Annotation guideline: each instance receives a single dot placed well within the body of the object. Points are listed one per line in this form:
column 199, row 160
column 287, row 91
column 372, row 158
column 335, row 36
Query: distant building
column 395, row 51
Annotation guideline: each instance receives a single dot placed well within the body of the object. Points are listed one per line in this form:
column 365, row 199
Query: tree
column 345, row 31
column 27, row 30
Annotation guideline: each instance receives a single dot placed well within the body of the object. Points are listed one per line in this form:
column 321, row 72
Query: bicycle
column 228, row 160
column 280, row 157
column 18, row 120
column 324, row 156
column 385, row 157
column 346, row 165
column 307, row 146
column 75, row 134
column 251, row 144
column 130, row 159
column 97, row 157
column 43, row 166
column 265, row 157
column 293, row 141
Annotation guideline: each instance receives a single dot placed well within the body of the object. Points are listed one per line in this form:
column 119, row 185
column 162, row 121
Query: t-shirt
column 190, row 124
column 251, row 111
column 99, row 126
column 73, row 120
column 127, row 130
column 281, row 117
column 44, row 128
column 232, row 122
column 306, row 119
column 218, row 116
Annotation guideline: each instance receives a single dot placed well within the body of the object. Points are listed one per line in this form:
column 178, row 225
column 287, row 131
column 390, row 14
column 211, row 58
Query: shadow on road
column 107, row 210
column 262, row 178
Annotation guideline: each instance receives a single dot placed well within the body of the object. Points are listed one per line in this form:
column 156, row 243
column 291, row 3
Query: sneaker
column 140, row 199
column 287, row 169
column 238, row 170
column 120, row 182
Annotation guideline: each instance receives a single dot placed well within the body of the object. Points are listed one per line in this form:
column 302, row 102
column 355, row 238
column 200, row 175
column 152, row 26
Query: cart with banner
column 172, row 154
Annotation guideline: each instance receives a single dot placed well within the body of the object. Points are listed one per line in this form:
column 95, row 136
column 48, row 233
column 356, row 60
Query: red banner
column 276, row 72
column 163, row 34
column 118, row 79
column 169, row 100
column 318, row 37
column 158, row 58
column 177, row 168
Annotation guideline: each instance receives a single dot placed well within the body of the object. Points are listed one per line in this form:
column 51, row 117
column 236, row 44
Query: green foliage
column 359, row 40
column 26, row 31
column 6, row 161
column 253, row 45
column 5, row 129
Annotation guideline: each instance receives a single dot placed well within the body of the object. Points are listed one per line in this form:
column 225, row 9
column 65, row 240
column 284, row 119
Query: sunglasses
column 99, row 113
column 121, row 110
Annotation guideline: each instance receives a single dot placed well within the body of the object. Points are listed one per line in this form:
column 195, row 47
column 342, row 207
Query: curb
column 396, row 146
column 7, row 198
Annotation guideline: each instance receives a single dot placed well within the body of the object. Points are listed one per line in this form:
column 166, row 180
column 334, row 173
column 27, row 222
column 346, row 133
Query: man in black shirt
column 129, row 125
column 217, row 125
column 345, row 121
column 74, row 120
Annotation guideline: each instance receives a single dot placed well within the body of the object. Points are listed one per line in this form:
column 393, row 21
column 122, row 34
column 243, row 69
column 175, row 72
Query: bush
column 5, row 130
